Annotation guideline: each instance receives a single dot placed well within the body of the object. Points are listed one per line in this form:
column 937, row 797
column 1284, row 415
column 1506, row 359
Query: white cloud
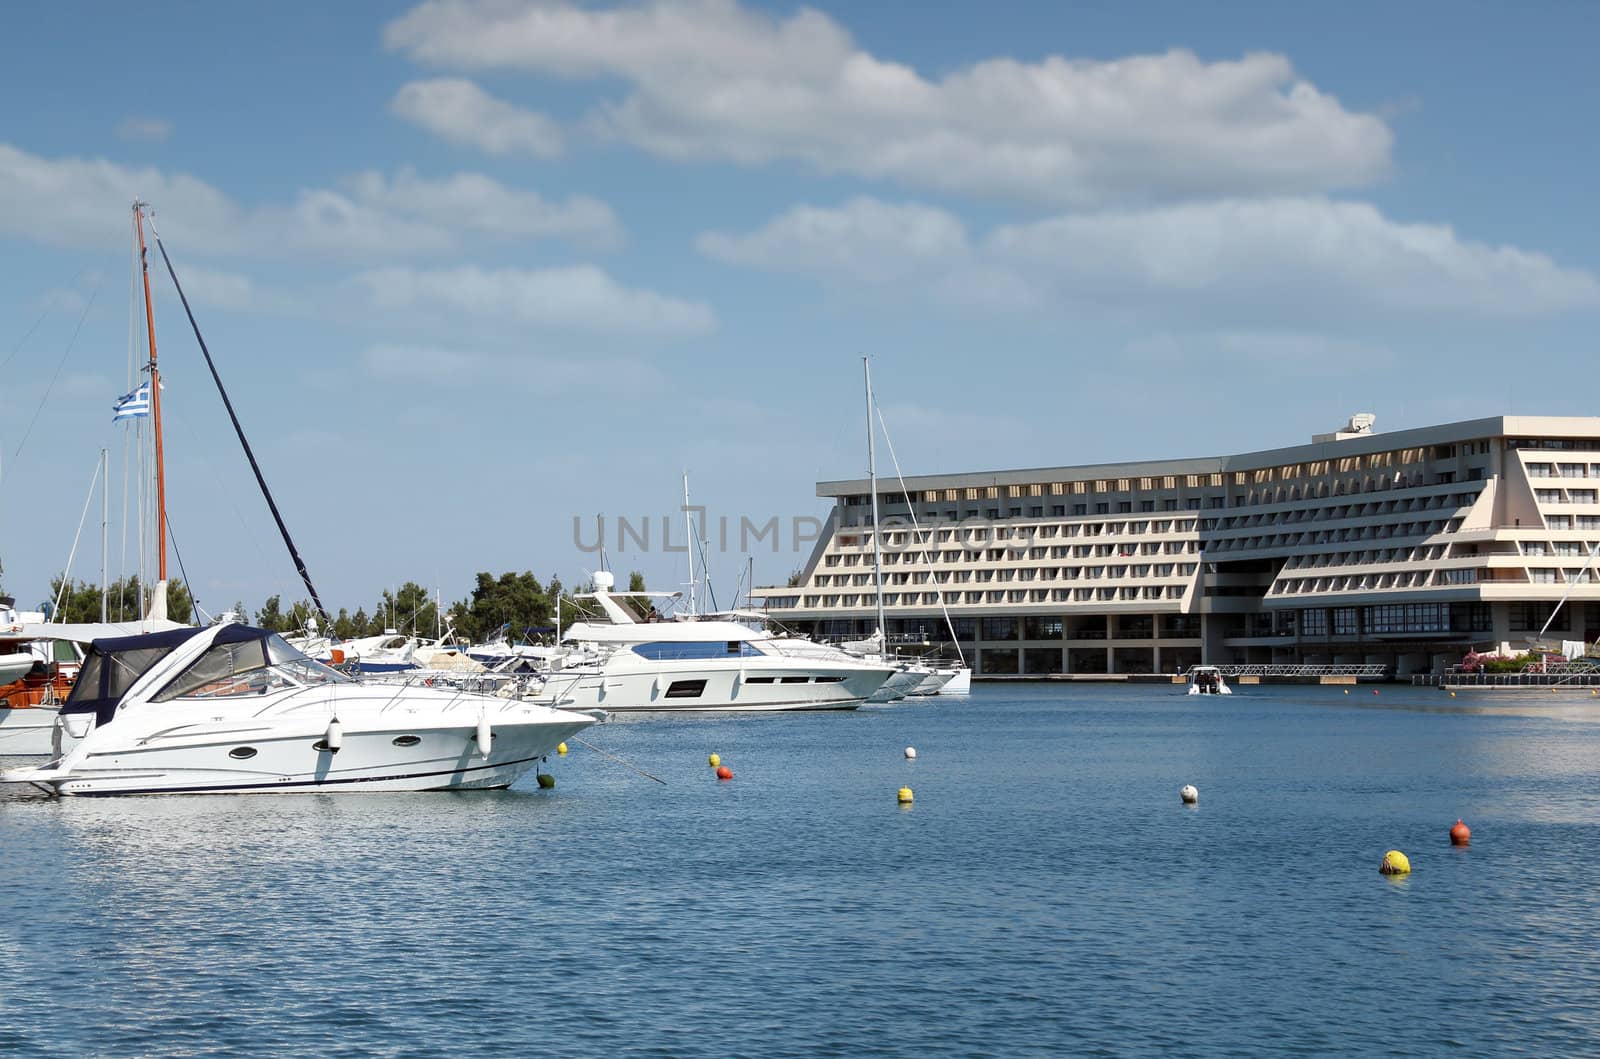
column 713, row 79
column 440, row 366
column 461, row 112
column 579, row 298
column 144, row 130
column 85, row 202
column 218, row 289
column 1310, row 249
column 475, row 202
column 1334, row 250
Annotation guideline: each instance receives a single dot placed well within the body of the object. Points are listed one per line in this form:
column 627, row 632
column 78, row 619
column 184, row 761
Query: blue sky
column 473, row 269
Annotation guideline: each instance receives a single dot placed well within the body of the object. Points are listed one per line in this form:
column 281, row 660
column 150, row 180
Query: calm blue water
column 1046, row 894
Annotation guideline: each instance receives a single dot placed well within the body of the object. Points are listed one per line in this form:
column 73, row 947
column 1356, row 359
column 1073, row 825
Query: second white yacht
column 693, row 664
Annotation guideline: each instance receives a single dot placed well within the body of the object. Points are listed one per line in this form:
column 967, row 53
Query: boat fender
column 334, row 736
column 485, row 735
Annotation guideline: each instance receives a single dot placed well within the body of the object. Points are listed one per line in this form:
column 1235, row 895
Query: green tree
column 641, row 608
column 512, row 599
column 271, row 616
column 125, row 601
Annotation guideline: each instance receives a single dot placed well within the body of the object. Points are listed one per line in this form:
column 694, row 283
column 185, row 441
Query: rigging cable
column 59, row 365
column 294, row 553
column 194, row 604
column 960, row 654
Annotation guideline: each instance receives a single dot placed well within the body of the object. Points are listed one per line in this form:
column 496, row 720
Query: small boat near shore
column 1207, row 680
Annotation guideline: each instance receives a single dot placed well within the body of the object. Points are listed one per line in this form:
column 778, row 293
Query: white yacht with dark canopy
column 231, row 709
column 701, row 664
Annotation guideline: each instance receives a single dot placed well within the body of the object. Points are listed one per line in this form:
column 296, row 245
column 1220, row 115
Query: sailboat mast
column 692, row 541
column 155, row 402
column 105, row 532
column 877, row 534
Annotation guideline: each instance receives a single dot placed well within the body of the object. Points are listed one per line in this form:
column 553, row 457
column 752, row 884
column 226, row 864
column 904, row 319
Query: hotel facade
column 1406, row 549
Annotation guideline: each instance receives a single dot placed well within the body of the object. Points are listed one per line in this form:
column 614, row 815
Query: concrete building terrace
column 1404, row 549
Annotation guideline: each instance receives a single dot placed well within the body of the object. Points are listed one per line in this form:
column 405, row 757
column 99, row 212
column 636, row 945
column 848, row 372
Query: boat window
column 250, row 667
column 668, row 651
column 242, row 753
column 758, row 680
column 795, row 680
column 686, row 689
column 406, row 740
column 829, row 680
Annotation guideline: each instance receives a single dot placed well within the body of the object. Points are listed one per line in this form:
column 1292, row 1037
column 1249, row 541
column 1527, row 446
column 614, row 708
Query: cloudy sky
column 473, row 268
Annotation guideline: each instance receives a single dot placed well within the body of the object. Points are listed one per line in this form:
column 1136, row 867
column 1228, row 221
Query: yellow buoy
column 905, row 796
column 1395, row 863
column 714, row 760
column 561, row 749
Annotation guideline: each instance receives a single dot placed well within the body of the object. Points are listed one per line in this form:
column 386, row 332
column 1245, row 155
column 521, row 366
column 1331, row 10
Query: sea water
column 1046, row 893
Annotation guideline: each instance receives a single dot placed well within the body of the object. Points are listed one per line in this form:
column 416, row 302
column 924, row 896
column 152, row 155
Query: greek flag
column 132, row 405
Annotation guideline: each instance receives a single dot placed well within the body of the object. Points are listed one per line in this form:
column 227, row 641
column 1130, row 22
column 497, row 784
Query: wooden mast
column 155, row 413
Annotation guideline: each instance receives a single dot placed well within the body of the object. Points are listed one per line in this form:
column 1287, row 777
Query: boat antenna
column 272, row 505
column 877, row 534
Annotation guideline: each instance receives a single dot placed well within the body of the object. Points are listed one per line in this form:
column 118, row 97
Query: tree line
column 516, row 602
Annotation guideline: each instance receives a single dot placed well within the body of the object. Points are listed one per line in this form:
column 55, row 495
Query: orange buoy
column 1460, row 835
column 724, row 772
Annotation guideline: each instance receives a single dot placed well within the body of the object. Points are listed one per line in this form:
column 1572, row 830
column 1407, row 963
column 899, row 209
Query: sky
column 476, row 270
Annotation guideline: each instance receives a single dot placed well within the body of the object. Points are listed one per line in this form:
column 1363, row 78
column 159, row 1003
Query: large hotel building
column 1405, row 549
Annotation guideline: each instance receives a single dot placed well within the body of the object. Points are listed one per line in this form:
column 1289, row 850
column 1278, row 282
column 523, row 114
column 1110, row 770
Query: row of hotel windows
column 954, row 599
column 1151, row 506
column 1565, row 496
column 899, row 538
column 1331, row 513
column 1293, row 472
column 1047, row 573
column 1390, row 618
column 995, row 555
column 1363, row 558
column 1308, row 478
column 1364, row 582
column 1564, row 470
column 1300, row 540
column 1089, row 627
column 1030, row 627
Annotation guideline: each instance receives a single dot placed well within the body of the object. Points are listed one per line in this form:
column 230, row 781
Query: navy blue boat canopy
column 115, row 662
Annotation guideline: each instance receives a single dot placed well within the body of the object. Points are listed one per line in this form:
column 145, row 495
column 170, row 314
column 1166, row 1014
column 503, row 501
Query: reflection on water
column 1047, row 894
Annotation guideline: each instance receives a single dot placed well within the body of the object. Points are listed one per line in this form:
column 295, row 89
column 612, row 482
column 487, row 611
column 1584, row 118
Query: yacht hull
column 960, row 683
column 27, row 731
column 205, row 762
column 721, row 689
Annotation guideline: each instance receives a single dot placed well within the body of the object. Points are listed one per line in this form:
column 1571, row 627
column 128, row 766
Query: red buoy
column 1460, row 834
column 724, row 772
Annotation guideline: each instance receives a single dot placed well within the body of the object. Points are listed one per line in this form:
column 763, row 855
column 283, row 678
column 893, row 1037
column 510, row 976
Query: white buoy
column 485, row 735
column 333, row 738
column 911, row 753
column 1189, row 794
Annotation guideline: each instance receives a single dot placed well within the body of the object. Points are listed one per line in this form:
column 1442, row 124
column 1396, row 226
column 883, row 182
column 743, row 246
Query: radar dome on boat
column 604, row 581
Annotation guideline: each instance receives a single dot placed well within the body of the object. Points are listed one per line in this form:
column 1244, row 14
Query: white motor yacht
column 702, row 665
column 236, row 710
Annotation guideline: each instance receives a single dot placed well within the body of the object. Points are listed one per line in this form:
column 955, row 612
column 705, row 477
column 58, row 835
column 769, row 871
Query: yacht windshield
column 251, row 667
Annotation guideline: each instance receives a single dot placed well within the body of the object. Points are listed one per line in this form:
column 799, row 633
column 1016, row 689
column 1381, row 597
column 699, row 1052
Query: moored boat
column 231, row 709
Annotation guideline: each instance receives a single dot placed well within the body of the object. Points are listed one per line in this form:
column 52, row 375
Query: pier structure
column 1402, row 550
